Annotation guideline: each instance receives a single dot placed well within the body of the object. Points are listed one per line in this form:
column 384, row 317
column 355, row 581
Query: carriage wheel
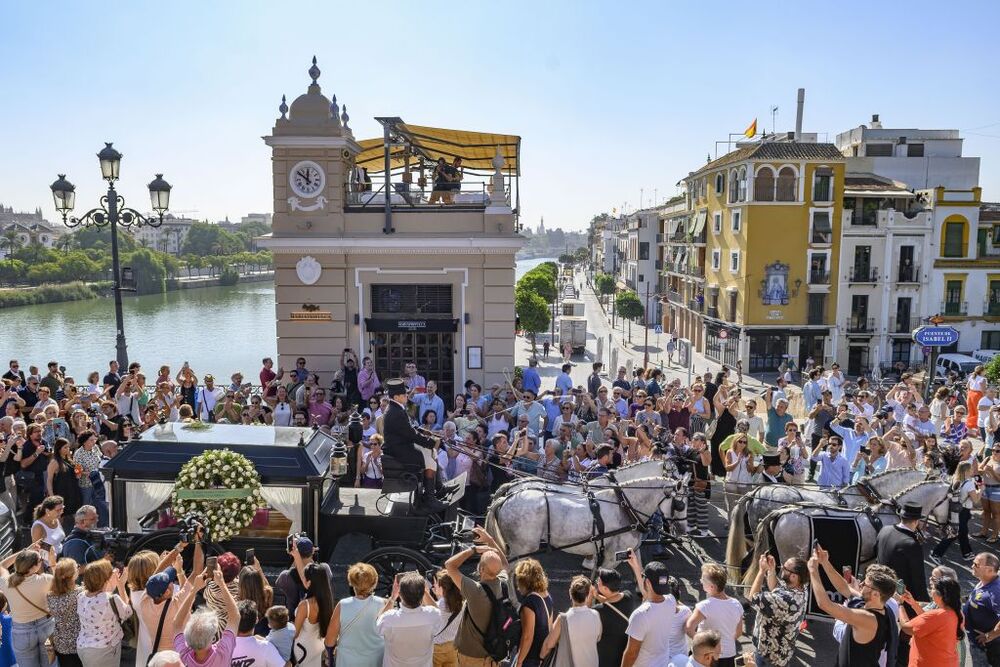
column 390, row 561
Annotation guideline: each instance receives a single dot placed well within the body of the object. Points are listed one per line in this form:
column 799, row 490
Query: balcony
column 698, row 238
column 819, row 277
column 894, row 218
column 991, row 308
column 902, row 325
column 696, row 271
column 955, row 308
column 862, row 274
column 908, row 274
column 675, row 297
column 860, row 325
column 769, row 189
column 696, row 305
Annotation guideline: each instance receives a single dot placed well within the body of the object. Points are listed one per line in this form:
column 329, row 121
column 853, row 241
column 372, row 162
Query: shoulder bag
column 128, row 625
column 347, row 627
column 159, row 631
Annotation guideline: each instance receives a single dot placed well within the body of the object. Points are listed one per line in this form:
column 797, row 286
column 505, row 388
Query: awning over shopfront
column 427, row 144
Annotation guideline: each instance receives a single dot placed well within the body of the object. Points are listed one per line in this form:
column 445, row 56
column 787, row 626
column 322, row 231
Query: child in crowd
column 282, row 634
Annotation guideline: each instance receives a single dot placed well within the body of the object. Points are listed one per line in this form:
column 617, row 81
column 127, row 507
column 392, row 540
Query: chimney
column 876, row 125
column 798, row 113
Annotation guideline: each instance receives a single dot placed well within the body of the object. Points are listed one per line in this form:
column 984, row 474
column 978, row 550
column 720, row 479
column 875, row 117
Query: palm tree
column 11, row 240
column 66, row 243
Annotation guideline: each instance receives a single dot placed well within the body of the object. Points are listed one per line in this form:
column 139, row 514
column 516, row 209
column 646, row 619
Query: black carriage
column 302, row 492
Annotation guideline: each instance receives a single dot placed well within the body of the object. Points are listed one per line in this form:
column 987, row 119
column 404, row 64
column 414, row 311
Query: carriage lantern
column 354, row 430
column 338, row 459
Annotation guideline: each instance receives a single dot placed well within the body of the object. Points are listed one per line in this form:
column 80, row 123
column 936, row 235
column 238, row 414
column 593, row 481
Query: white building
column 29, row 228
column 168, row 237
column 885, row 264
column 639, row 243
column 263, row 218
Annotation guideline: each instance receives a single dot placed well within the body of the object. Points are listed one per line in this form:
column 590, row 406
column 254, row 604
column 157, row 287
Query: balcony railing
column 769, row 189
column 862, row 274
column 696, row 305
column 819, row 277
column 409, row 196
column 956, row 308
column 696, row 271
column 908, row 274
column 856, row 324
column 991, row 308
column 675, row 297
column 902, row 325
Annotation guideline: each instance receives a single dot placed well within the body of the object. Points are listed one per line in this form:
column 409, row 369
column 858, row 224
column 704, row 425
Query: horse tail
column 762, row 543
column 736, row 543
column 493, row 526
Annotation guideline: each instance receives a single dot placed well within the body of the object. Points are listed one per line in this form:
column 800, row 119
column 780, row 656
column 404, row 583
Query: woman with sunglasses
column 740, row 469
column 282, row 410
column 701, row 409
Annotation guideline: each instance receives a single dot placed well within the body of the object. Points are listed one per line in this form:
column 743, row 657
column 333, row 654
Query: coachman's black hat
column 395, row 387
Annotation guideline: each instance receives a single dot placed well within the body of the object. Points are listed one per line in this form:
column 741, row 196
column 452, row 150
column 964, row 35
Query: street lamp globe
column 159, row 194
column 111, row 160
column 64, row 195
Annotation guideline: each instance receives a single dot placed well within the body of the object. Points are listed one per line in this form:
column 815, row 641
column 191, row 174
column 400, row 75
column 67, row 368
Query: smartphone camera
column 621, row 556
column 249, row 557
column 210, row 564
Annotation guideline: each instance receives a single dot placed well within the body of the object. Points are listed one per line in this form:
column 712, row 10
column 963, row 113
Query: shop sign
column 774, row 315
column 410, row 325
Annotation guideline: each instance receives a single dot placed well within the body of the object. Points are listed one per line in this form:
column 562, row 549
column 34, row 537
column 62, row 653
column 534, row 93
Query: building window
column 735, row 220
column 953, row 297
column 823, row 184
column 786, row 184
column 734, row 261
column 720, row 183
column 990, row 340
column 743, row 183
column 914, row 150
column 901, row 352
column 822, row 231
column 763, row 185
column 643, row 249
column 954, row 241
column 819, row 271
column 411, row 299
column 878, row 150
column 716, row 260
column 993, row 305
column 734, row 187
column 717, row 223
column 733, row 297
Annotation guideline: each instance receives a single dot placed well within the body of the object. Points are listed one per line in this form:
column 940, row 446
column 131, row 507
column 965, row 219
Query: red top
column 935, row 639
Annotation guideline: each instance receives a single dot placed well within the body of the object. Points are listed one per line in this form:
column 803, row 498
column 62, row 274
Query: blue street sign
column 935, row 336
column 658, row 330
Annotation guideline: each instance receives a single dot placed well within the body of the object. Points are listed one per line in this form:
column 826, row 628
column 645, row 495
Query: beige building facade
column 399, row 280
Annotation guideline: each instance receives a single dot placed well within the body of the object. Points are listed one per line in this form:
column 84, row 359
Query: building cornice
column 393, row 245
column 312, row 142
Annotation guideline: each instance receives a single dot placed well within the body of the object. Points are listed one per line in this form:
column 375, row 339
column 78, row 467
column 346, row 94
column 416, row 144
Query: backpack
column 503, row 632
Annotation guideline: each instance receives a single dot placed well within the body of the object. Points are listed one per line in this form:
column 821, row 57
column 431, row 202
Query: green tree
column 532, row 313
column 605, row 284
column 540, row 283
column 629, row 307
column 11, row 242
column 581, row 255
column 205, row 239
column 229, row 275
column 567, row 258
column 993, row 370
column 12, row 271
column 100, row 238
column 150, row 274
column 77, row 265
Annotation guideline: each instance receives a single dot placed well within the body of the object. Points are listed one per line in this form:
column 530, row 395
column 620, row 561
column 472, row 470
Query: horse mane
column 913, row 486
column 886, row 473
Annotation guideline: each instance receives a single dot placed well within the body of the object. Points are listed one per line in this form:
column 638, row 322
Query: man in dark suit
column 409, row 446
column 900, row 547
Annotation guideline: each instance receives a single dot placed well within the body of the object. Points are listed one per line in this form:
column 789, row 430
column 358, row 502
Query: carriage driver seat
column 399, row 477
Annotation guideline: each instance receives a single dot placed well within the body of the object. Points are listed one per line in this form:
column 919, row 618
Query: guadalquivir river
column 218, row 330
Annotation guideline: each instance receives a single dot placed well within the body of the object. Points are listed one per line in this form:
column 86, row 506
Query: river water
column 218, row 330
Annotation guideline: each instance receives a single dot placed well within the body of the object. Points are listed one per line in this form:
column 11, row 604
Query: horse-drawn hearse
column 299, row 473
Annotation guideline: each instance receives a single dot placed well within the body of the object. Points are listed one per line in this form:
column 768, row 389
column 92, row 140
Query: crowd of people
column 57, row 433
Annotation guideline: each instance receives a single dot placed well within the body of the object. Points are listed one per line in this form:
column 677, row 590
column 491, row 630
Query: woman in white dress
column 312, row 616
column 835, row 383
column 281, row 409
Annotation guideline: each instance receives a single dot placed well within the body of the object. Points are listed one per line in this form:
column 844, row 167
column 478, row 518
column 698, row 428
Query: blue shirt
column 653, row 388
column 427, row 402
column 982, row 610
column 552, row 406
column 530, row 379
column 836, row 472
column 852, row 441
column 536, row 415
column 564, row 382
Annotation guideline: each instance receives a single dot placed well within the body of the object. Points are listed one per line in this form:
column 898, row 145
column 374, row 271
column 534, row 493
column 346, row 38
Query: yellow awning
column 430, row 143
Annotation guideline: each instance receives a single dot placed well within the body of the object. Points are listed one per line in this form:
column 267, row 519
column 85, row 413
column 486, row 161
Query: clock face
column 307, row 179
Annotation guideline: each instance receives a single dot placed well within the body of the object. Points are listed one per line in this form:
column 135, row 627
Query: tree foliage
column 150, row 274
column 567, row 258
column 532, row 312
column 206, row 239
column 605, row 283
column 629, row 307
column 993, row 370
column 539, row 282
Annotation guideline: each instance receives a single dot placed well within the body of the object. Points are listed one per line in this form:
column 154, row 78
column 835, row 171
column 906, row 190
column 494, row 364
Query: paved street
column 685, row 559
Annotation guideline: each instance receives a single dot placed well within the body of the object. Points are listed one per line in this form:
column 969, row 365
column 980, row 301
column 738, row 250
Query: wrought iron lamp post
column 112, row 211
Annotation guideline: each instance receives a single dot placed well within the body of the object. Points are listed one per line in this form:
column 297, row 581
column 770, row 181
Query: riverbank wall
column 13, row 297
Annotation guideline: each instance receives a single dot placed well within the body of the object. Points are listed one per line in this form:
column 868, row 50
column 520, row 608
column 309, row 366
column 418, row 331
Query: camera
column 188, row 526
column 290, row 540
column 115, row 543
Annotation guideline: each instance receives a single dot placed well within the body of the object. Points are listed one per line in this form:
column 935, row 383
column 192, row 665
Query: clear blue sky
column 608, row 97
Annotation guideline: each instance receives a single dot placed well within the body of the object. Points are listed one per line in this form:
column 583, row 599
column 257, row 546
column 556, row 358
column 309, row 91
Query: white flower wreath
column 219, row 469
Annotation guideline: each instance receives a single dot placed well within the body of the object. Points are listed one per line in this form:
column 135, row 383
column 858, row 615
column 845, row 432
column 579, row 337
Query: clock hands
column 305, row 176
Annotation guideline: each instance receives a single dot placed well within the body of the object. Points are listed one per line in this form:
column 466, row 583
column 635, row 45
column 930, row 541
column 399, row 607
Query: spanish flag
column 751, row 131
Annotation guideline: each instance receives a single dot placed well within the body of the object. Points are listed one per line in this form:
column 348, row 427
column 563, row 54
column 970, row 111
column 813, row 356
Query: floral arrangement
column 196, row 425
column 219, row 469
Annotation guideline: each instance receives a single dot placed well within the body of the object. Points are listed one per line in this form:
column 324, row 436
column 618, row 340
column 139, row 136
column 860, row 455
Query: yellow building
column 764, row 232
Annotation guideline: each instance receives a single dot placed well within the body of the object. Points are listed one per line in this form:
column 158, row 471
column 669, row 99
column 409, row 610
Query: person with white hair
column 777, row 417
column 166, row 659
column 196, row 645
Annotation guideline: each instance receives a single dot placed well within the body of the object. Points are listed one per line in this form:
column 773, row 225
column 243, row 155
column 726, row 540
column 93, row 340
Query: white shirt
column 984, row 405
column 448, row 632
column 463, row 463
column 584, row 627
column 282, row 414
column 409, row 636
column 722, row 616
column 255, row 652
column 206, row 399
column 646, row 625
column 977, row 382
